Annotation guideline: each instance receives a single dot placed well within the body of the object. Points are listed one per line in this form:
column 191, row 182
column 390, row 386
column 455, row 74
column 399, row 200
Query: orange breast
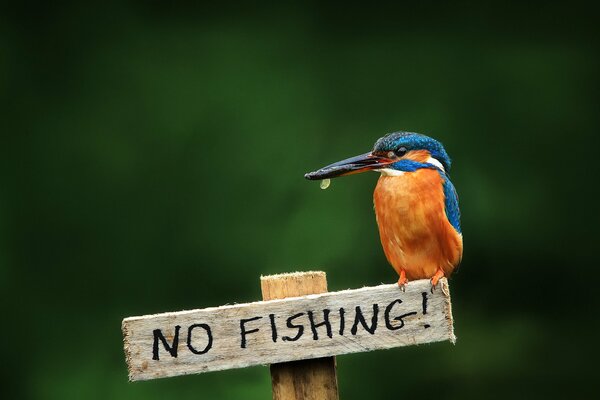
column 415, row 233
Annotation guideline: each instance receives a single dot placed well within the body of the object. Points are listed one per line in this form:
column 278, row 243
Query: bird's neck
column 421, row 186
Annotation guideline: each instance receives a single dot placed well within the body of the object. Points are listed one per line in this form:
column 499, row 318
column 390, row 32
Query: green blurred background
column 153, row 159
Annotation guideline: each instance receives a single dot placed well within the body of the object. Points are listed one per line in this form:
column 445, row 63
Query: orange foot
column 402, row 281
column 435, row 279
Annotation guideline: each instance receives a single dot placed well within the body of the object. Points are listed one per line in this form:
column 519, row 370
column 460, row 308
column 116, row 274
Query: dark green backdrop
column 153, row 159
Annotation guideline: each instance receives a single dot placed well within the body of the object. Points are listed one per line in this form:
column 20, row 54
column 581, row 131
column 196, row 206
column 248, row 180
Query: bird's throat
column 390, row 172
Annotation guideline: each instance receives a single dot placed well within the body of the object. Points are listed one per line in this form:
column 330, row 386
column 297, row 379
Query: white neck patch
column 435, row 162
column 390, row 172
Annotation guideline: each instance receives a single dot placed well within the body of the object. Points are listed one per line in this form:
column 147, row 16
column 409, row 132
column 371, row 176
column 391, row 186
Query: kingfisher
column 416, row 204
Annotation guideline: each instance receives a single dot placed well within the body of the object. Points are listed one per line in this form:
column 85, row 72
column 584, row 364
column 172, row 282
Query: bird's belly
column 414, row 230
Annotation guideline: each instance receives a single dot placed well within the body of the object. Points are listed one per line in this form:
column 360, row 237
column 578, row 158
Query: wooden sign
column 275, row 331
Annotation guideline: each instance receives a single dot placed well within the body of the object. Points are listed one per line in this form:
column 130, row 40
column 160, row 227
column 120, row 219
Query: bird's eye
column 400, row 151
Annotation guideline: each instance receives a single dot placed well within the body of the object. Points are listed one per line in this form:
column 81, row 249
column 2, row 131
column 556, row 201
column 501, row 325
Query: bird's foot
column 439, row 274
column 402, row 281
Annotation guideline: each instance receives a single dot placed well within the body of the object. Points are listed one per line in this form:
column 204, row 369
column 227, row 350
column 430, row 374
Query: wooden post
column 305, row 379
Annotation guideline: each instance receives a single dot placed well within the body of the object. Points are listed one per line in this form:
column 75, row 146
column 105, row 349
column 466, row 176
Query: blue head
column 398, row 151
column 410, row 151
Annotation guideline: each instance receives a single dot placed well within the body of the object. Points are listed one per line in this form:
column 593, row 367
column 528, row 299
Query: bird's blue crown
column 414, row 141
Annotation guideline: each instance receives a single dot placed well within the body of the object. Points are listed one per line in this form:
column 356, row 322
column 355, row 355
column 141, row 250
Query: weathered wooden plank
column 268, row 332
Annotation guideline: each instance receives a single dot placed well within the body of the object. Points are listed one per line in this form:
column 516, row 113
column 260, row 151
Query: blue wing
column 451, row 204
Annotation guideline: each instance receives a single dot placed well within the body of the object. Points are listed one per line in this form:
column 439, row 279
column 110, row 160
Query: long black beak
column 349, row 166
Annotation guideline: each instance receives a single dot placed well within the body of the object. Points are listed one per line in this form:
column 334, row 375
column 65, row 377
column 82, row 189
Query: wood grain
column 313, row 379
column 173, row 351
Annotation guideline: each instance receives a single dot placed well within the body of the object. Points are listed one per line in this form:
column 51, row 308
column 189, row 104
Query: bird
column 416, row 204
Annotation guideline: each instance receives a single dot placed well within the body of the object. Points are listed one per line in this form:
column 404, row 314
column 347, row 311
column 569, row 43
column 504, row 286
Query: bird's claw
column 402, row 281
column 432, row 290
column 435, row 279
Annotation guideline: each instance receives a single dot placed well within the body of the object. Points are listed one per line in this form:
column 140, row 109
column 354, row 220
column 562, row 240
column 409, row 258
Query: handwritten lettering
column 319, row 323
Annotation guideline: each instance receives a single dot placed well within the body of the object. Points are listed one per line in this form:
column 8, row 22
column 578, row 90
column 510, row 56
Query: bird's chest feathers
column 415, row 232
column 410, row 207
column 409, row 197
